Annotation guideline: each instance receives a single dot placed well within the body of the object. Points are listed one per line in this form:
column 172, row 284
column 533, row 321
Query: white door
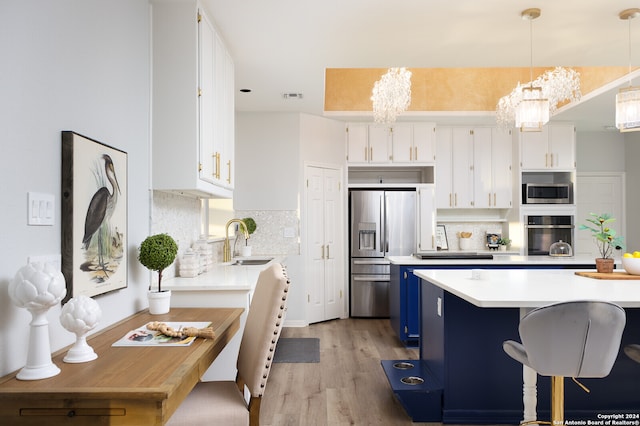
column 325, row 254
column 598, row 193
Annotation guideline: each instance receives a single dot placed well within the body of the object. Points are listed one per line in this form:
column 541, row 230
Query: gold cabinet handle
column 328, row 251
column 216, row 173
column 489, row 198
column 371, row 154
column 322, row 251
column 229, row 177
column 365, row 154
column 546, row 160
column 456, row 200
column 551, row 160
column 450, row 205
column 415, row 155
column 410, row 154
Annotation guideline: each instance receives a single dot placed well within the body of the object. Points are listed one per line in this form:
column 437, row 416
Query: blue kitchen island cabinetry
column 404, row 304
column 404, row 287
column 405, row 293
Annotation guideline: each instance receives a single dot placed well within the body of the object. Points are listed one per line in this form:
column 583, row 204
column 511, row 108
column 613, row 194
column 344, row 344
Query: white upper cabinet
column 426, row 218
column 192, row 107
column 367, row 143
column 473, row 168
column 552, row 148
column 454, row 167
column 413, row 143
column 492, row 168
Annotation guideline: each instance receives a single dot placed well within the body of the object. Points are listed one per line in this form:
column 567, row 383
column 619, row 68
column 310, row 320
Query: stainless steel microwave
column 547, row 193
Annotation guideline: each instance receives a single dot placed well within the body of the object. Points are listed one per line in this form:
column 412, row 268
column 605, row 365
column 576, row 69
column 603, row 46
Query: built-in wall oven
column 542, row 231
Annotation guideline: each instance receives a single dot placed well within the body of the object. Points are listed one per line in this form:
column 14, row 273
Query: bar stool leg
column 557, row 400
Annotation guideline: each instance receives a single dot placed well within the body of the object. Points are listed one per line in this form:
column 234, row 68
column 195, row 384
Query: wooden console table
column 125, row 385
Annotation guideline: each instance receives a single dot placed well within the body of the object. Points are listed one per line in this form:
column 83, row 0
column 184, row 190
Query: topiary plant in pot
column 156, row 253
column 251, row 228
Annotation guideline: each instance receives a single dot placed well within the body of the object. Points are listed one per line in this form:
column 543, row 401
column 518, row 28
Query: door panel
column 325, row 255
column 598, row 193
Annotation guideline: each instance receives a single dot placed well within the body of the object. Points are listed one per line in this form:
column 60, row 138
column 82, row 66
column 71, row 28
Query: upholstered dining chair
column 223, row 402
column 576, row 339
column 633, row 352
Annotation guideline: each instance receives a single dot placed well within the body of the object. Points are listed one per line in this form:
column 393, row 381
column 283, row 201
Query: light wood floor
column 347, row 387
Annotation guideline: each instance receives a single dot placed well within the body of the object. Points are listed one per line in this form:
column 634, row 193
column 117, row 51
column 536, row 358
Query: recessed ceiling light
column 245, row 90
column 292, row 95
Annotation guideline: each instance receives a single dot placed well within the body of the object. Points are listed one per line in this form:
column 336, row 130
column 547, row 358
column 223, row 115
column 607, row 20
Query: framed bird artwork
column 94, row 216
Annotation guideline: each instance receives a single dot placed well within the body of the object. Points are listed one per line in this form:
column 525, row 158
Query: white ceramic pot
column 246, row 251
column 465, row 243
column 159, row 302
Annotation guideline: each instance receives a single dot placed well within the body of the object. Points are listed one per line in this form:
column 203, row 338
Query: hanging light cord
column 629, row 44
column 531, row 51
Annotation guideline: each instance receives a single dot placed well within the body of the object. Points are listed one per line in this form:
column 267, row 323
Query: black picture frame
column 441, row 238
column 94, row 216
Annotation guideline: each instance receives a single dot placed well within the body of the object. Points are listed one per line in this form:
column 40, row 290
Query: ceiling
column 284, row 46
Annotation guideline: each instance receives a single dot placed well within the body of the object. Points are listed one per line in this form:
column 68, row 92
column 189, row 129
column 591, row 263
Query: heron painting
column 94, row 204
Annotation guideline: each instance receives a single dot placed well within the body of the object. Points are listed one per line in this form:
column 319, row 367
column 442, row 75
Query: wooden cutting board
column 620, row 275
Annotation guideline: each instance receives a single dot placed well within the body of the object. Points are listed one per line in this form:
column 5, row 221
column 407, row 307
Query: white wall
column 80, row 65
column 266, row 156
column 600, row 151
column 632, row 144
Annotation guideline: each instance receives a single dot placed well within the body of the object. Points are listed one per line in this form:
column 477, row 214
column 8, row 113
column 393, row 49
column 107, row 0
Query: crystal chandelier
column 529, row 106
column 628, row 99
column 391, row 95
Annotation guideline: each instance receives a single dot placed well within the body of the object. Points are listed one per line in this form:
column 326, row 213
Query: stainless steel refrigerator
column 382, row 223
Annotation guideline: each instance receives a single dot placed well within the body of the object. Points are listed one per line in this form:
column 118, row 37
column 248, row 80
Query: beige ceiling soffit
column 348, row 90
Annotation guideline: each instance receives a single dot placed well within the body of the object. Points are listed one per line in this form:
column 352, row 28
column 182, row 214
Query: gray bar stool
column 577, row 339
column 633, row 352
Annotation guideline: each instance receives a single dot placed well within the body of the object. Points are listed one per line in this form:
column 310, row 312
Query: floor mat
column 297, row 349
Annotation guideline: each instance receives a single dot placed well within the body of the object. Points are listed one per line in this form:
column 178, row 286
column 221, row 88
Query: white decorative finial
column 37, row 287
column 80, row 315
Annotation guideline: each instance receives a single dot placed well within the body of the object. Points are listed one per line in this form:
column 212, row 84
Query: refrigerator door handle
column 383, row 225
column 372, row 262
column 371, row 278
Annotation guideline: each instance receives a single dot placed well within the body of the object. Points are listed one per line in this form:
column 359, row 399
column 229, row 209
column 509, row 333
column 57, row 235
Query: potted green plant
column 606, row 239
column 156, row 253
column 503, row 243
column 251, row 228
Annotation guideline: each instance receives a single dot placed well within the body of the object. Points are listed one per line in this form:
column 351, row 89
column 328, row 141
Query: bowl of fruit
column 631, row 262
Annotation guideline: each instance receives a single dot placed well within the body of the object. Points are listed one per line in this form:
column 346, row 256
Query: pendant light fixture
column 628, row 99
column 391, row 95
column 533, row 110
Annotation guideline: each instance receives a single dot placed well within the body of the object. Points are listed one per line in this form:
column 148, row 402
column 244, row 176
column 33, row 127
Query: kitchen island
column 464, row 322
column 404, row 285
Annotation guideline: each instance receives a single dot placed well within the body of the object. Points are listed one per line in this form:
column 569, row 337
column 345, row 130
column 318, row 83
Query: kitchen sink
column 252, row 262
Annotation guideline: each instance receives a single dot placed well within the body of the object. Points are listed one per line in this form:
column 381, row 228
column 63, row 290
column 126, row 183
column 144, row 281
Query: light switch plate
column 40, row 209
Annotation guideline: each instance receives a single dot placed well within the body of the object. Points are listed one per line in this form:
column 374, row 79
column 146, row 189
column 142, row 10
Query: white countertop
column 222, row 277
column 515, row 288
column 498, row 259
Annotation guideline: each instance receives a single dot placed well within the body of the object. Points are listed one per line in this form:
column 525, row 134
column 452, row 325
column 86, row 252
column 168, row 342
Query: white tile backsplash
column 178, row 216
column 478, row 231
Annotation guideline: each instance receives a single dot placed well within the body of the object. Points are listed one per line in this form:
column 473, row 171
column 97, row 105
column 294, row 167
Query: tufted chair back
column 262, row 329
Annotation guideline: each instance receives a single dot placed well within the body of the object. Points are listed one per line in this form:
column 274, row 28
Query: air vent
column 292, row 96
